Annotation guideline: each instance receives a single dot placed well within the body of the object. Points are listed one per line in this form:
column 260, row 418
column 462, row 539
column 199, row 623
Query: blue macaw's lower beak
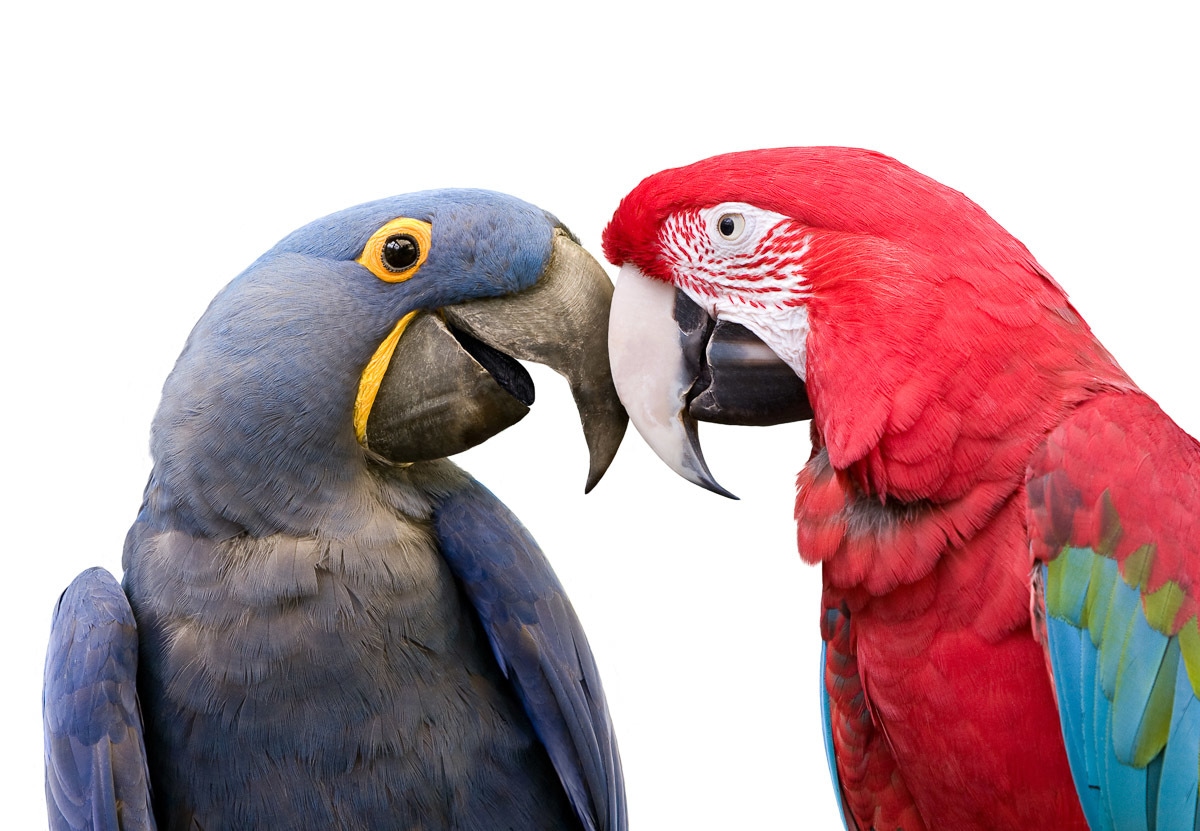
column 454, row 380
column 673, row 365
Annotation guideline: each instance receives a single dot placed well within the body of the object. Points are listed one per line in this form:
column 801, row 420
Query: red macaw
column 1006, row 524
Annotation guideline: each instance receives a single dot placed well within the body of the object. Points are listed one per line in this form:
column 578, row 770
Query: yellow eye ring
column 396, row 251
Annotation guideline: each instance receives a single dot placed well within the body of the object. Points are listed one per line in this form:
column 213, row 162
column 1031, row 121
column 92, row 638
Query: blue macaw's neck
column 255, row 429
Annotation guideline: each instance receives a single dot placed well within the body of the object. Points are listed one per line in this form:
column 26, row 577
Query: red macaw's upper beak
column 673, row 365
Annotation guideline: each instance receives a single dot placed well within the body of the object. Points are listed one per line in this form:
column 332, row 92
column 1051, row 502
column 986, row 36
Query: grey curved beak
column 477, row 388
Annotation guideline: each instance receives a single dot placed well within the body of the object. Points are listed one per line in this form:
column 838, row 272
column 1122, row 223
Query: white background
column 151, row 151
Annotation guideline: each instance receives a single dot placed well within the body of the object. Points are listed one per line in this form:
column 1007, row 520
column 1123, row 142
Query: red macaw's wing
column 1114, row 523
column 869, row 787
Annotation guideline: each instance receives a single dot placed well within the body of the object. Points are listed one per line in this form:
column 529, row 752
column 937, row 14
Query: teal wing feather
column 1113, row 504
column 540, row 645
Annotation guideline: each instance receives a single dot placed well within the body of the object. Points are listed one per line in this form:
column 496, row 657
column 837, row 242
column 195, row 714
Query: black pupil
column 400, row 252
column 727, row 225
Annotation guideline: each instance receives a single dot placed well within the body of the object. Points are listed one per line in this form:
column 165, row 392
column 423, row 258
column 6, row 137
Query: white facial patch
column 745, row 264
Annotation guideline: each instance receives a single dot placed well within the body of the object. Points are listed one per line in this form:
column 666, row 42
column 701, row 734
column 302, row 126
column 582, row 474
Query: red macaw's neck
column 932, row 381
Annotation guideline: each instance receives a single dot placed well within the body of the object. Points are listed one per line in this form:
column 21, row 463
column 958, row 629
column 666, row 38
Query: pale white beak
column 654, row 369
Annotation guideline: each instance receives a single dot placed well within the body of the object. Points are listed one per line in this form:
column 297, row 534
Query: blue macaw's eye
column 400, row 252
column 395, row 252
column 730, row 226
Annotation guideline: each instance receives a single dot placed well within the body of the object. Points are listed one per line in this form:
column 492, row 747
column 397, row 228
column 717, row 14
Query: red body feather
column 940, row 355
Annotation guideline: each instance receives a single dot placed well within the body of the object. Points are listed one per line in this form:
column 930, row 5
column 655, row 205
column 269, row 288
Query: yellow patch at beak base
column 372, row 377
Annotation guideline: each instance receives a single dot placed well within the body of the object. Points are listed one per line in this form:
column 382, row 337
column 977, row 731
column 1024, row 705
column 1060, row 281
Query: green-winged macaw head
column 384, row 335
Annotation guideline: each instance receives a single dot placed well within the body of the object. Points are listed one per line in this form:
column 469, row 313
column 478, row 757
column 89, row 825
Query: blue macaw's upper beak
column 454, row 380
column 673, row 366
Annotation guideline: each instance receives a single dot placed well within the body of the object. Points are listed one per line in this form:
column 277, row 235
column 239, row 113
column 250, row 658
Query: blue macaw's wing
column 540, row 646
column 96, row 775
column 1113, row 507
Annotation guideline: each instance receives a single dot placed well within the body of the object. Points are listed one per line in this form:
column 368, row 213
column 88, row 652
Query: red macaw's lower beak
column 673, row 366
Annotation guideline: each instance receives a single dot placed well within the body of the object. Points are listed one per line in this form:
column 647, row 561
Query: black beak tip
column 720, row 491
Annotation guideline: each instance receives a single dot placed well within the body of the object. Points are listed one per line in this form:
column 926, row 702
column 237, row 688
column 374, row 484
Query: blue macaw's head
column 387, row 334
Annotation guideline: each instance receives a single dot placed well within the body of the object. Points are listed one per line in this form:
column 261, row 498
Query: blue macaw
column 323, row 622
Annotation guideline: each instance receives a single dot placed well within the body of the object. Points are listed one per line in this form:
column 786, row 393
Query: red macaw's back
column 939, row 357
column 929, row 401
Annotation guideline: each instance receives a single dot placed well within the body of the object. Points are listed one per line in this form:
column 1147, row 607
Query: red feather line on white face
column 746, row 265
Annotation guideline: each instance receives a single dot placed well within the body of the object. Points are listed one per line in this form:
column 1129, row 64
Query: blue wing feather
column 96, row 774
column 1143, row 655
column 1177, row 777
column 1112, row 498
column 1108, row 666
column 540, row 646
column 1122, row 783
column 1077, row 662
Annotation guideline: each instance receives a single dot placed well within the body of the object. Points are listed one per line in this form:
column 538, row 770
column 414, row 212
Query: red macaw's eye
column 400, row 252
column 730, row 226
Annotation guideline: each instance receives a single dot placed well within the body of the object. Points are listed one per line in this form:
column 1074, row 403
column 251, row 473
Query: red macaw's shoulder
column 871, row 548
column 1120, row 478
column 930, row 371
